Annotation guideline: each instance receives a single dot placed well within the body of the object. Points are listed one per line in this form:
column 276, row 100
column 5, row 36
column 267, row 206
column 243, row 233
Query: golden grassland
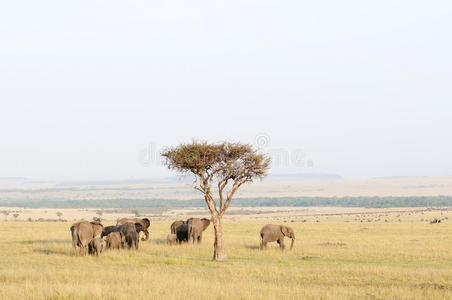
column 330, row 260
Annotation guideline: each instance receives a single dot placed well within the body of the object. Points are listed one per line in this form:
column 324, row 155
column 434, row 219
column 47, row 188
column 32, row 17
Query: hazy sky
column 88, row 89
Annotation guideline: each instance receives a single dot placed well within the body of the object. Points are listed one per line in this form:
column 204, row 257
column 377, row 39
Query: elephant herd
column 186, row 231
column 126, row 234
column 192, row 229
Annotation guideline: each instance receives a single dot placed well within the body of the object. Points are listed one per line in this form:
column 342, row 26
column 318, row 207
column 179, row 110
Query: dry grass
column 330, row 260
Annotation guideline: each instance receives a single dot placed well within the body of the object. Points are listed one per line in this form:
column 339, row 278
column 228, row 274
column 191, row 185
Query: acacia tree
column 6, row 213
column 218, row 168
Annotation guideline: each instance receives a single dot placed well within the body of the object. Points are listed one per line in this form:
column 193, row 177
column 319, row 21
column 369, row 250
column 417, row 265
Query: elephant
column 272, row 233
column 130, row 231
column 115, row 240
column 97, row 246
column 144, row 222
column 195, row 228
column 182, row 233
column 176, row 224
column 171, row 239
column 132, row 240
column 108, row 229
column 124, row 228
column 83, row 233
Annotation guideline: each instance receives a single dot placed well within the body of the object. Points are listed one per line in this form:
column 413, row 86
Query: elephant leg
column 200, row 239
column 281, row 243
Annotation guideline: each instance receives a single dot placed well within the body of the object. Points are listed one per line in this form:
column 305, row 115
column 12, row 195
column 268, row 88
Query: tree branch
column 199, row 189
column 229, row 198
column 221, row 186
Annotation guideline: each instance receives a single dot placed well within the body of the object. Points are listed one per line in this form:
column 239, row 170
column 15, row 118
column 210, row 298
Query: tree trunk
column 218, row 253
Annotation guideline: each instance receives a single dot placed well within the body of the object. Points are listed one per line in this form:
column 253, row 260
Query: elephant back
column 174, row 226
column 83, row 233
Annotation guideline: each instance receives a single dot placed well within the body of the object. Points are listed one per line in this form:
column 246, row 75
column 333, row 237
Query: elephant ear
column 139, row 227
column 285, row 230
column 205, row 222
column 146, row 222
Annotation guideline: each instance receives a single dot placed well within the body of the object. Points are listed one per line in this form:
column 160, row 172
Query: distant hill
column 173, row 179
column 189, row 179
column 305, row 176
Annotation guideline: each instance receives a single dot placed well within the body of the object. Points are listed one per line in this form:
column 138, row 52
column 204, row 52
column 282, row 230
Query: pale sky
column 360, row 88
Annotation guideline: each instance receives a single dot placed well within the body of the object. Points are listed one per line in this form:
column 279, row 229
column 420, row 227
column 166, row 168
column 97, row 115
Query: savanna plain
column 346, row 257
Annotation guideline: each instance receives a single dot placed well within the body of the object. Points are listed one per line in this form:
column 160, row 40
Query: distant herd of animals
column 125, row 234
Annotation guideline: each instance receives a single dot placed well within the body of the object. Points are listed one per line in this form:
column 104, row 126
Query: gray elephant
column 115, row 240
column 97, row 246
column 195, row 228
column 130, row 231
column 83, row 233
column 144, row 223
column 108, row 229
column 132, row 240
column 182, row 233
column 276, row 233
column 176, row 224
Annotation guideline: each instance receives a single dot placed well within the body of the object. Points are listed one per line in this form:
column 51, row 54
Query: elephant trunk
column 146, row 236
column 291, row 244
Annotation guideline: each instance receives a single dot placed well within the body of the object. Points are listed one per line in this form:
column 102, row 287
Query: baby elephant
column 276, row 233
column 97, row 246
column 171, row 239
column 115, row 240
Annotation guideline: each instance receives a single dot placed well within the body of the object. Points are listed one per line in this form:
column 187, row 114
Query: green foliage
column 370, row 202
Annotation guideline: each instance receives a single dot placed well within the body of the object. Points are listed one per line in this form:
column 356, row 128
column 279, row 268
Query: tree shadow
column 51, row 251
column 252, row 247
column 165, row 242
column 45, row 242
